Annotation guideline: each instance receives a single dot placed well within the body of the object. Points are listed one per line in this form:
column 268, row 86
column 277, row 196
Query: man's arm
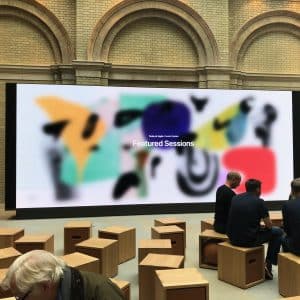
column 268, row 222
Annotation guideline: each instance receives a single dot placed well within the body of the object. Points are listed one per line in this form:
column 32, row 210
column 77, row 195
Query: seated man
column 38, row 274
column 224, row 195
column 243, row 228
column 291, row 220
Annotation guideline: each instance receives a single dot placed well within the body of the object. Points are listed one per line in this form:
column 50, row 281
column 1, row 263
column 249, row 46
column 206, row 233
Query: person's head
column 295, row 188
column 233, row 179
column 34, row 275
column 253, row 186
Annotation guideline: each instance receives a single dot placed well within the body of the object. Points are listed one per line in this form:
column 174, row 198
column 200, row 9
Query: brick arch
column 44, row 21
column 274, row 21
column 172, row 11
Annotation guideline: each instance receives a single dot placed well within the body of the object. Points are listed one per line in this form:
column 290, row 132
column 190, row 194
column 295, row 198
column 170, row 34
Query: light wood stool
column 104, row 249
column 9, row 235
column 172, row 232
column 158, row 246
column 74, row 233
column 208, row 241
column 7, row 256
column 82, row 262
column 147, row 267
column 126, row 238
column 207, row 224
column 288, row 274
column 35, row 242
column 124, row 286
column 172, row 221
column 242, row 267
column 180, row 284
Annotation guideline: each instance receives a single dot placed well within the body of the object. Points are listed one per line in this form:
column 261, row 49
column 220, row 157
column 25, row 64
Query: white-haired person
column 40, row 275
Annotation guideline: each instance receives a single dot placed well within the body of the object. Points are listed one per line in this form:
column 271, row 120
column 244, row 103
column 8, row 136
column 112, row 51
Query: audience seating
column 82, row 262
column 208, row 248
column 7, row 256
column 126, row 238
column 239, row 266
column 106, row 250
column 147, row 267
column 158, row 246
column 74, row 233
column 35, row 242
column 207, row 224
column 172, row 232
column 172, row 221
column 180, row 284
column 9, row 235
column 288, row 274
column 124, row 286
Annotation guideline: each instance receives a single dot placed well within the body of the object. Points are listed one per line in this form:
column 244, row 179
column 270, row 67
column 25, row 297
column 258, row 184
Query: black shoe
column 268, row 273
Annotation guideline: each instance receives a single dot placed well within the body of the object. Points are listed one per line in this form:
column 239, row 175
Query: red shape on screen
column 253, row 162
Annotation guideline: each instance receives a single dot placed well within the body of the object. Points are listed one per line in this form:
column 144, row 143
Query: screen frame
column 114, row 210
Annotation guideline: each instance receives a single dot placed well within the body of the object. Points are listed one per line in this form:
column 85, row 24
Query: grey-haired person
column 39, row 274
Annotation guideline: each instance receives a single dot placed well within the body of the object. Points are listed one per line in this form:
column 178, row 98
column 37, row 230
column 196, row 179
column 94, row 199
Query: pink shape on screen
column 253, row 162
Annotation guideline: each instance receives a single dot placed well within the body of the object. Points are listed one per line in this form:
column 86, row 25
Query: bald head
column 233, row 179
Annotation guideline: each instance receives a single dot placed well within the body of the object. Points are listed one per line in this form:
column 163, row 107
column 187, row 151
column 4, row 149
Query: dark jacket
column 79, row 285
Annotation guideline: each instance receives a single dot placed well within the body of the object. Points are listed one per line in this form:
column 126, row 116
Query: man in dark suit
column 244, row 230
column 291, row 220
column 224, row 195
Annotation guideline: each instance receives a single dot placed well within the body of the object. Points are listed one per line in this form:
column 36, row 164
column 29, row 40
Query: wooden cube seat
column 239, row 266
column 207, row 224
column 208, row 248
column 158, row 246
column 35, row 242
column 288, row 274
column 172, row 221
column 147, row 267
column 172, row 232
column 106, row 250
column 82, row 262
column 124, row 286
column 74, row 233
column 180, row 284
column 7, row 256
column 126, row 238
column 8, row 235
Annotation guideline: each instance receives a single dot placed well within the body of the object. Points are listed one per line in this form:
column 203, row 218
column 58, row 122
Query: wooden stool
column 126, row 238
column 8, row 293
column 208, row 249
column 172, row 232
column 288, row 274
column 158, row 246
column 207, row 224
column 104, row 249
column 35, row 242
column 180, row 284
column 82, row 262
column 242, row 267
column 74, row 233
column 276, row 218
column 124, row 286
column 7, row 256
column 9, row 235
column 292, row 298
column 147, row 267
column 172, row 221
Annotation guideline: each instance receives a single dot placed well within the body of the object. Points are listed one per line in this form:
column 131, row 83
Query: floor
column 128, row 271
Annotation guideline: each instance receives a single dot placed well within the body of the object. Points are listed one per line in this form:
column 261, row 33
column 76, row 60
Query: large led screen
column 109, row 146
